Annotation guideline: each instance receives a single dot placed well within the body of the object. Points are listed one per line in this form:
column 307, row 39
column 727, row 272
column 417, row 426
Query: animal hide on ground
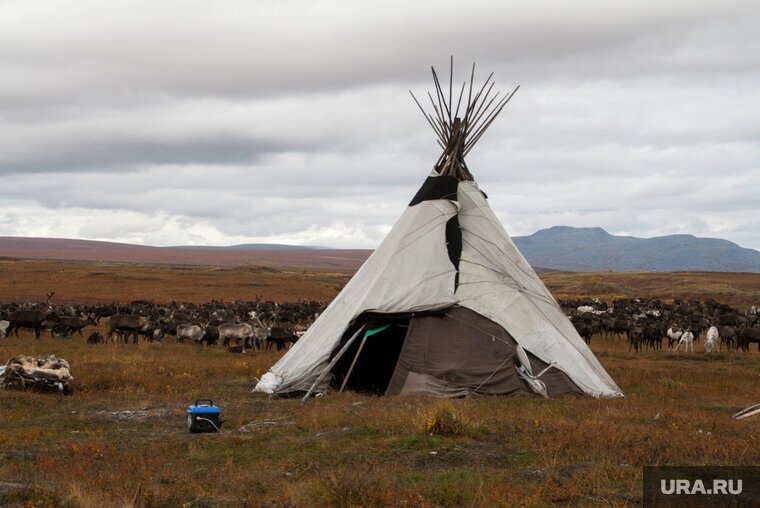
column 27, row 372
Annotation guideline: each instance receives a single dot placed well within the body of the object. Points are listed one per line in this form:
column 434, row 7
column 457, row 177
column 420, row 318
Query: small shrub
column 445, row 420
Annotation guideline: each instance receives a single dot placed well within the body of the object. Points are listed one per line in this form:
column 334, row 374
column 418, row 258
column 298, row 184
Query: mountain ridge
column 558, row 248
column 594, row 249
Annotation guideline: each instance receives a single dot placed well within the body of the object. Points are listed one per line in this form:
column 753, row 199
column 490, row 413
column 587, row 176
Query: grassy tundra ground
column 99, row 282
column 123, row 282
column 121, row 439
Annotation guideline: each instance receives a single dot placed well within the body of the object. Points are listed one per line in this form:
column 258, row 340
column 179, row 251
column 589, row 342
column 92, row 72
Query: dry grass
column 737, row 289
column 122, row 282
column 84, row 282
column 121, row 439
column 124, row 431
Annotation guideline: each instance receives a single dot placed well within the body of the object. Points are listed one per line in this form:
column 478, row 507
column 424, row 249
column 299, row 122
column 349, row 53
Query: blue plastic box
column 204, row 416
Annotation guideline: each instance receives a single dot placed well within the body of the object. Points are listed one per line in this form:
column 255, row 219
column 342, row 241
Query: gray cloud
column 290, row 121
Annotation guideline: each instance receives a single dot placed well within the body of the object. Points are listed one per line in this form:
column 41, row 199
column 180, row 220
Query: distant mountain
column 553, row 249
column 594, row 249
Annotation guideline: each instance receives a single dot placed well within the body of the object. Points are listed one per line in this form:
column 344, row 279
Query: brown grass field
column 121, row 439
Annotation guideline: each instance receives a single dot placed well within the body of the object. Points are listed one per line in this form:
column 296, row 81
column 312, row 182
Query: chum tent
column 446, row 305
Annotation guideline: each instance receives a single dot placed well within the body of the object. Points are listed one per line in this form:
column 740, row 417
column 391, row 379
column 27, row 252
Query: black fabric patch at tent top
column 436, row 187
column 444, row 187
column 454, row 244
column 454, row 240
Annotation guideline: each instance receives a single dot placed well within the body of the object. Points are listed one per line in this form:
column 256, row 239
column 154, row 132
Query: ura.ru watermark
column 716, row 486
column 697, row 486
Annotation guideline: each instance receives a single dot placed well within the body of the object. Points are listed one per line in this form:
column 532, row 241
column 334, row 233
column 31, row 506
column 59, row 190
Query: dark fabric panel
column 454, row 245
column 436, row 187
column 462, row 352
column 454, row 241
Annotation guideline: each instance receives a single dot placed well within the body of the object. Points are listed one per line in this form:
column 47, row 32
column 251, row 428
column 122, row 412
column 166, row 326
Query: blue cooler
column 204, row 416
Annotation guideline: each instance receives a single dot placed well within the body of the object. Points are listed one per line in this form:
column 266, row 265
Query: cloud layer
column 290, row 122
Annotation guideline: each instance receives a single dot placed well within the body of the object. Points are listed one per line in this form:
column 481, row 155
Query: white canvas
column 411, row 271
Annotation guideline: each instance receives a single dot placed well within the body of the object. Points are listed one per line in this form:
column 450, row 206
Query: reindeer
column 261, row 331
column 674, row 334
column 711, row 338
column 31, row 319
column 238, row 331
column 192, row 332
column 95, row 338
column 280, row 337
column 728, row 337
column 128, row 324
column 66, row 326
column 687, row 339
column 747, row 336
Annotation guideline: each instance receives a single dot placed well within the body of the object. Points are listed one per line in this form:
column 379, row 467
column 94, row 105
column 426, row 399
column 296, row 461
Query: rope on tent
column 533, row 381
column 491, row 374
column 506, row 255
column 411, row 241
column 560, row 332
column 484, row 332
column 434, row 276
column 501, row 251
column 590, row 358
column 515, row 265
column 511, row 282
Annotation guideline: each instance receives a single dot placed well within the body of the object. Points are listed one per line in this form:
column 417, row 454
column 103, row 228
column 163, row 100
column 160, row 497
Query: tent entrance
column 368, row 364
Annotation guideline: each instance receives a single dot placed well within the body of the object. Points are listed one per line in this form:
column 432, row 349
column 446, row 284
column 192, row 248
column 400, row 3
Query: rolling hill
column 594, row 249
column 559, row 248
column 276, row 256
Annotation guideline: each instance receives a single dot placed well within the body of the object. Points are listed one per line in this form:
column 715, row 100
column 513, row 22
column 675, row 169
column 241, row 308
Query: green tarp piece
column 373, row 331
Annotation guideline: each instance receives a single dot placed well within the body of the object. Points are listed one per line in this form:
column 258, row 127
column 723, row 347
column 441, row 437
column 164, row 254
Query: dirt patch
column 127, row 415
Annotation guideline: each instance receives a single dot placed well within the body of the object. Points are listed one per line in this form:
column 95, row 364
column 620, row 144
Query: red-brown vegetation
column 121, row 439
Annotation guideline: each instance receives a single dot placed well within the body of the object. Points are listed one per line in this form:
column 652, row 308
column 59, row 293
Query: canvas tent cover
column 448, row 251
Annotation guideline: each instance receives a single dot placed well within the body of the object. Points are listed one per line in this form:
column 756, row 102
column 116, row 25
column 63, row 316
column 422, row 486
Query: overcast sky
column 188, row 122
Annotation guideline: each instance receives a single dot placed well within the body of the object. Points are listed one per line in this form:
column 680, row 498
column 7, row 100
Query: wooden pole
column 351, row 368
column 468, row 115
column 445, row 108
column 477, row 130
column 334, row 361
column 426, row 115
column 456, row 114
column 483, row 107
column 458, row 135
column 492, row 116
column 437, row 112
column 451, row 85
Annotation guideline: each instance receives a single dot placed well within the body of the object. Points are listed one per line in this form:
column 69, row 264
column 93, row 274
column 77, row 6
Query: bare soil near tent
column 121, row 439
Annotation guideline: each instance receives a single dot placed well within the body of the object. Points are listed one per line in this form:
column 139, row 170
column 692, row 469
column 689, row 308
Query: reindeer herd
column 244, row 325
column 644, row 323
column 649, row 323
